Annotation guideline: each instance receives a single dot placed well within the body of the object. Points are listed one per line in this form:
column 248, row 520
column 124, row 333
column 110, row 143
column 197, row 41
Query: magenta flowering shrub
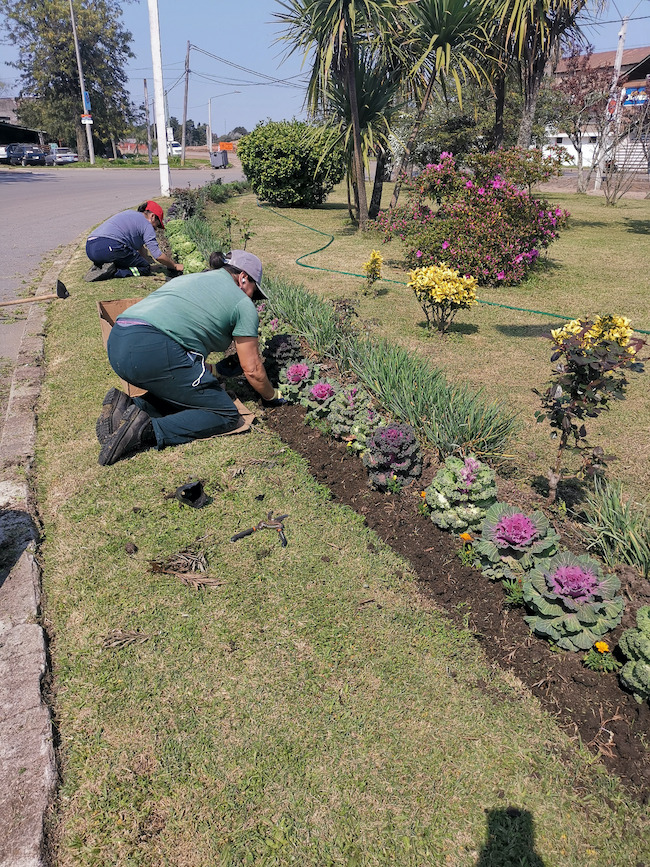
column 488, row 228
column 571, row 602
column 512, row 542
column 392, row 457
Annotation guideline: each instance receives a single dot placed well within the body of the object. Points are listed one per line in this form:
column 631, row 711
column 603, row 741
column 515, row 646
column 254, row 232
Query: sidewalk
column 27, row 762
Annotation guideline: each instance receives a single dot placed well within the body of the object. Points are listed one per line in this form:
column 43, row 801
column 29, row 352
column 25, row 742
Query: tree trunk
column 532, row 87
column 113, row 145
column 378, row 187
column 350, row 211
column 359, row 173
column 582, row 183
column 500, row 102
column 406, row 156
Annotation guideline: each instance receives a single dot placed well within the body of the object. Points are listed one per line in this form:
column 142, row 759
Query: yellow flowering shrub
column 372, row 270
column 616, row 329
column 442, row 292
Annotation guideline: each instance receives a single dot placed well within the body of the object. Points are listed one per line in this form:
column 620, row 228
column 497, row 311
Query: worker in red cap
column 117, row 247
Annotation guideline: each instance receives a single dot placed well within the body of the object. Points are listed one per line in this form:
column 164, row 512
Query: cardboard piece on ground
column 248, row 418
column 108, row 313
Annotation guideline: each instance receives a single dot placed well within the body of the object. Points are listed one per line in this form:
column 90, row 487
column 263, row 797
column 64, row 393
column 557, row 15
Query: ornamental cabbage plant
column 461, row 493
column 513, row 542
column 392, row 457
column 571, row 602
column 635, row 644
column 318, row 398
column 352, row 417
column 295, row 379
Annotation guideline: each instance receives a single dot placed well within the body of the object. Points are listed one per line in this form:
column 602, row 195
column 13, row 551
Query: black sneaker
column 114, row 406
column 134, row 434
column 105, row 272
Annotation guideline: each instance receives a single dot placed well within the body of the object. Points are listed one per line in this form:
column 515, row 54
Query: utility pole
column 208, row 137
column 187, row 85
column 146, row 120
column 159, row 98
column 86, row 119
column 613, row 109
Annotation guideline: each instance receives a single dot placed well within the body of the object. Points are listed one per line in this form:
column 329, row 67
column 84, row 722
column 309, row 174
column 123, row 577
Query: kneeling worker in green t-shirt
column 160, row 344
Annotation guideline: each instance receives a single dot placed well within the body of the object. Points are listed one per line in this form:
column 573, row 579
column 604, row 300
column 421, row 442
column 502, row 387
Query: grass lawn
column 599, row 265
column 274, row 719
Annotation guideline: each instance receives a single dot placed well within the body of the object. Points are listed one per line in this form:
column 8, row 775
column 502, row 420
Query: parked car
column 25, row 155
column 60, row 157
column 174, row 149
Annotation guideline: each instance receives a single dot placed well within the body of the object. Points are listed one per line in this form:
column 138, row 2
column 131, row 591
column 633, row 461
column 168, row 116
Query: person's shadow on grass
column 510, row 840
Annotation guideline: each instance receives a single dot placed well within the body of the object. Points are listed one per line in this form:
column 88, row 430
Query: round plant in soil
column 393, row 457
column 461, row 493
column 572, row 603
column 512, row 542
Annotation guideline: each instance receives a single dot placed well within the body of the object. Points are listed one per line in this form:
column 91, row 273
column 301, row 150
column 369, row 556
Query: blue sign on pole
column 86, row 101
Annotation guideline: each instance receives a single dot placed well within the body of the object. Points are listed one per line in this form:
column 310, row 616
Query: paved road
column 42, row 209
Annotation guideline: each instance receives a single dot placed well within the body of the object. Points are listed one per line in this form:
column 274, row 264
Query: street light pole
column 159, row 98
column 209, row 135
column 86, row 119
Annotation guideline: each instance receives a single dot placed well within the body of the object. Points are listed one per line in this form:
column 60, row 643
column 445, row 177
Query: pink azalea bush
column 487, row 227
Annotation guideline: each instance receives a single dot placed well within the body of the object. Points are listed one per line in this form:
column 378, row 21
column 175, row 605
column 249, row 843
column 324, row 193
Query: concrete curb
column 27, row 760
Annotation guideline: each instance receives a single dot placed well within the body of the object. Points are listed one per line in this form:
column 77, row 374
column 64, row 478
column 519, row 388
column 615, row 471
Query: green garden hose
column 399, row 282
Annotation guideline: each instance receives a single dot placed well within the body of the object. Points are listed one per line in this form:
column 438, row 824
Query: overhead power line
column 287, row 82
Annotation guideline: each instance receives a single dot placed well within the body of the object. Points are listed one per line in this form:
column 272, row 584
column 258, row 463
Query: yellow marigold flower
column 602, row 646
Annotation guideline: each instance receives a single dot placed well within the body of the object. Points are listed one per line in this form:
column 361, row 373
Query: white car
column 174, row 149
column 61, row 156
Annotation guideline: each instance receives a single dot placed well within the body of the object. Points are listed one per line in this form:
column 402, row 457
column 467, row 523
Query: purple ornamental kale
column 321, row 391
column 297, row 373
column 574, row 582
column 515, row 531
column 468, row 474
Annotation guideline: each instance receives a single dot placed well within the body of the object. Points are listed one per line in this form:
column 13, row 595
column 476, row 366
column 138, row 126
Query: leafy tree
column 531, row 32
column 377, row 88
column 50, row 92
column 284, row 162
column 330, row 29
column 447, row 39
column 583, row 93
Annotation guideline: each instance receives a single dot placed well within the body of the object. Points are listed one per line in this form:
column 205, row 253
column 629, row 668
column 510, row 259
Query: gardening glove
column 276, row 400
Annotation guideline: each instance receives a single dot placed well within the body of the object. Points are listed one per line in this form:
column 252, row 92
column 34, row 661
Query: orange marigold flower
column 423, row 494
column 602, row 646
column 466, row 537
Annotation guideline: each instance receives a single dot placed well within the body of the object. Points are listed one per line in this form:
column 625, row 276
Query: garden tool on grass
column 61, row 292
column 270, row 523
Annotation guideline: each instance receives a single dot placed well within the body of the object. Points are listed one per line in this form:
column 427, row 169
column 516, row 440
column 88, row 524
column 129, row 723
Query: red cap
column 155, row 208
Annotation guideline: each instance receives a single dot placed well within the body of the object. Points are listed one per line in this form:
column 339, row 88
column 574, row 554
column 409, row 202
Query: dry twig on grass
column 121, row 638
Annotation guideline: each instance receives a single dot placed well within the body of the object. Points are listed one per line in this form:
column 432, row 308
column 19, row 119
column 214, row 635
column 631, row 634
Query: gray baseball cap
column 245, row 261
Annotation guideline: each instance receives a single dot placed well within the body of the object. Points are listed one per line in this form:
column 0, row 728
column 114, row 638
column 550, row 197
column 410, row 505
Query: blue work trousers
column 184, row 400
column 102, row 250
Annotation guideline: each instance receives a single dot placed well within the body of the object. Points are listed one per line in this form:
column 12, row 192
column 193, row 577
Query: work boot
column 103, row 272
column 134, row 434
column 114, row 406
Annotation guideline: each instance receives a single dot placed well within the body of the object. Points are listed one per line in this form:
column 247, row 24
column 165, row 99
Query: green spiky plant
column 572, row 603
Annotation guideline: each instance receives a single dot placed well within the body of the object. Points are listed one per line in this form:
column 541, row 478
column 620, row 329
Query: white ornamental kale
column 461, row 493
column 571, row 602
column 512, row 542
column 635, row 645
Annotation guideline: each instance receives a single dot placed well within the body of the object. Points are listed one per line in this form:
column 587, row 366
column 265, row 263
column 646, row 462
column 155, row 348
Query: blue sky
column 244, row 32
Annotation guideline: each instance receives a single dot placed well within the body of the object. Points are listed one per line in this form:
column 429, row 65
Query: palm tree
column 534, row 30
column 329, row 28
column 447, row 40
column 377, row 87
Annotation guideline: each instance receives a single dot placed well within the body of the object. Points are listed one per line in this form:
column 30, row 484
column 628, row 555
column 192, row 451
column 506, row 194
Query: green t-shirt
column 202, row 312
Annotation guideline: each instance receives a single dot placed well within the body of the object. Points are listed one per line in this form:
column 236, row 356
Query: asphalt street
column 43, row 209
